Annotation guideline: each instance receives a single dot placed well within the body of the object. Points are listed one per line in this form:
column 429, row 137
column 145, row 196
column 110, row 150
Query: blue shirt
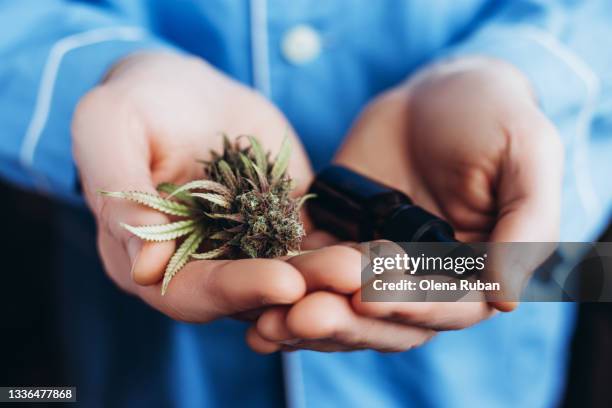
column 53, row 51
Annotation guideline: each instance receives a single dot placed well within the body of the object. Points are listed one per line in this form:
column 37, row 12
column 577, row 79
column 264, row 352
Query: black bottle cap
column 354, row 207
column 411, row 223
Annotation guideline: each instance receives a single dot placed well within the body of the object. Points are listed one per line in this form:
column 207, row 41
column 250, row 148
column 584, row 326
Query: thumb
column 529, row 209
column 147, row 260
column 112, row 153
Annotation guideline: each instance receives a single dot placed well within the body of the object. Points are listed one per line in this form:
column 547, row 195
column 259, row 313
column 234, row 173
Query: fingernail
column 133, row 248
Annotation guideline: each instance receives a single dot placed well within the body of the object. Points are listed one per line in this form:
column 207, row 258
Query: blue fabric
column 53, row 51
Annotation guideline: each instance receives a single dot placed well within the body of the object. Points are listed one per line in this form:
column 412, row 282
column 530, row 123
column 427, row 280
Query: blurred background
column 31, row 351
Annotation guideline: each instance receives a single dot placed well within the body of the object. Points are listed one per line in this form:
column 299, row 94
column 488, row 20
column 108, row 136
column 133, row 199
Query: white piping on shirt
column 49, row 77
column 259, row 46
column 584, row 183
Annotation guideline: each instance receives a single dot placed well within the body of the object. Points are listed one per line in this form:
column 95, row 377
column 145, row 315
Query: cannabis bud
column 241, row 209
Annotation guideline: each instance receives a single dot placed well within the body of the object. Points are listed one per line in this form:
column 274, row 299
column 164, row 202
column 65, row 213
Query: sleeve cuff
column 73, row 67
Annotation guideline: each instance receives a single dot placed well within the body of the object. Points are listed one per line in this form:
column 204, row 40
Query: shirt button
column 301, row 44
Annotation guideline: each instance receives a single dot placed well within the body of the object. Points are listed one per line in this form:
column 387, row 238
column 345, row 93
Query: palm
column 428, row 164
column 475, row 153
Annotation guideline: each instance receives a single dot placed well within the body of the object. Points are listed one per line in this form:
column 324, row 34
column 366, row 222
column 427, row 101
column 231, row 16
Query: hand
column 329, row 317
column 150, row 120
column 466, row 140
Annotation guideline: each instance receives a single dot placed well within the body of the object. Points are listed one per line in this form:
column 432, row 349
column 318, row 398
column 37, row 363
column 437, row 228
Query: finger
column 262, row 345
column 336, row 268
column 529, row 189
column 259, row 344
column 272, row 327
column 112, row 153
column 147, row 259
column 529, row 197
column 328, row 316
column 205, row 290
column 272, row 324
column 437, row 316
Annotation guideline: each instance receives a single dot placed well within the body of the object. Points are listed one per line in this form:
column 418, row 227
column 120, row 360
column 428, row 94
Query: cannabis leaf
column 240, row 208
column 162, row 232
column 180, row 257
column 170, row 188
column 214, row 253
column 304, row 198
column 203, row 185
column 282, row 160
column 261, row 160
column 150, row 200
column 214, row 199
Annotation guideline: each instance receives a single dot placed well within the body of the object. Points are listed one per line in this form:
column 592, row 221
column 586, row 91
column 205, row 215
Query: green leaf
column 203, row 185
column 162, row 232
column 260, row 155
column 253, row 172
column 252, row 183
column 212, row 254
column 261, row 177
column 304, row 198
column 228, row 175
column 232, row 217
column 282, row 160
column 170, row 189
column 153, row 201
column 227, row 144
column 217, row 199
column 181, row 256
column 248, row 167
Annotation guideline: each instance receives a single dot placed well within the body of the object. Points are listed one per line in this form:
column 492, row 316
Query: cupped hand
column 333, row 317
column 466, row 140
column 148, row 122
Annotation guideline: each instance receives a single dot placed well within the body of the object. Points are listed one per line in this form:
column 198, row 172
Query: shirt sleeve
column 531, row 35
column 51, row 54
column 560, row 47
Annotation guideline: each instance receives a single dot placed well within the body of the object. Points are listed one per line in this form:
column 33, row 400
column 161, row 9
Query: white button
column 301, row 44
